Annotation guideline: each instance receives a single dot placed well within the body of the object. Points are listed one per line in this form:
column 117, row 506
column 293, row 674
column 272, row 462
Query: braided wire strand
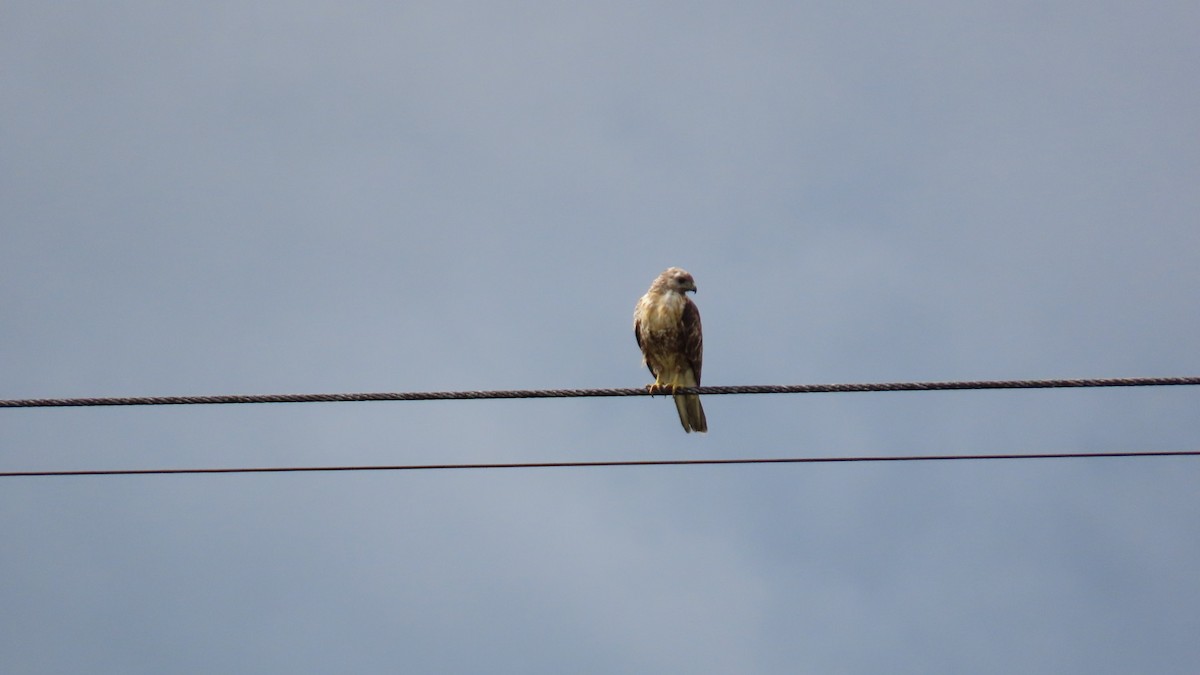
column 583, row 393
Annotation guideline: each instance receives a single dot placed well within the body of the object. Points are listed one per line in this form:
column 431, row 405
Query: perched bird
column 666, row 324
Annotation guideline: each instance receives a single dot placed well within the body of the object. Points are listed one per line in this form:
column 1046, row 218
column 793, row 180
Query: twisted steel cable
column 582, row 393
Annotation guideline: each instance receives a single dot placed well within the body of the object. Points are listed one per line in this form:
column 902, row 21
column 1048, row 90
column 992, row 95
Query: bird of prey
column 666, row 324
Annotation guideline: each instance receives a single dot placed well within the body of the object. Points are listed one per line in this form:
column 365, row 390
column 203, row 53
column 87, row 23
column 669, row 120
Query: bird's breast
column 662, row 313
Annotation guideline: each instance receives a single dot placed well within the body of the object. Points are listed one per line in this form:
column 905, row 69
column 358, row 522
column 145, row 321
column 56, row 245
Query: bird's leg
column 656, row 387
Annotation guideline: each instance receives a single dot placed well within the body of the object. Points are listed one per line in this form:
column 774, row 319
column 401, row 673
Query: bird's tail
column 691, row 413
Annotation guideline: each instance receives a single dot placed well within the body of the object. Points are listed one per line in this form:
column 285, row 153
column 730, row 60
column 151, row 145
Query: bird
column 666, row 324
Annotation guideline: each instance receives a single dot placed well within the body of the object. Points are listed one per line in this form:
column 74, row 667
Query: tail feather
column 691, row 413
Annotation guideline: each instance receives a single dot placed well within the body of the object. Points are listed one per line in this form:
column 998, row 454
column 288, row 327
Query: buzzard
column 666, row 324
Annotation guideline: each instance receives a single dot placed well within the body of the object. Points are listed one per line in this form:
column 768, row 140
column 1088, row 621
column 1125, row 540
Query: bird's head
column 679, row 280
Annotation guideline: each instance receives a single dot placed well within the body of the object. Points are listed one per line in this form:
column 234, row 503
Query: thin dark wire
column 579, row 393
column 611, row 463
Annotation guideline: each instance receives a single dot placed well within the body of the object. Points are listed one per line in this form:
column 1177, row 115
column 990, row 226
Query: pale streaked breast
column 662, row 313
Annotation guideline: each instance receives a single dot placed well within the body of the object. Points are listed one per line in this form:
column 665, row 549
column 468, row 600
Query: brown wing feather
column 693, row 338
column 637, row 334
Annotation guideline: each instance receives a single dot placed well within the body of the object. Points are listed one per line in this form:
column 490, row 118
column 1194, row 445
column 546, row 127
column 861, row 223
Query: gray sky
column 327, row 197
